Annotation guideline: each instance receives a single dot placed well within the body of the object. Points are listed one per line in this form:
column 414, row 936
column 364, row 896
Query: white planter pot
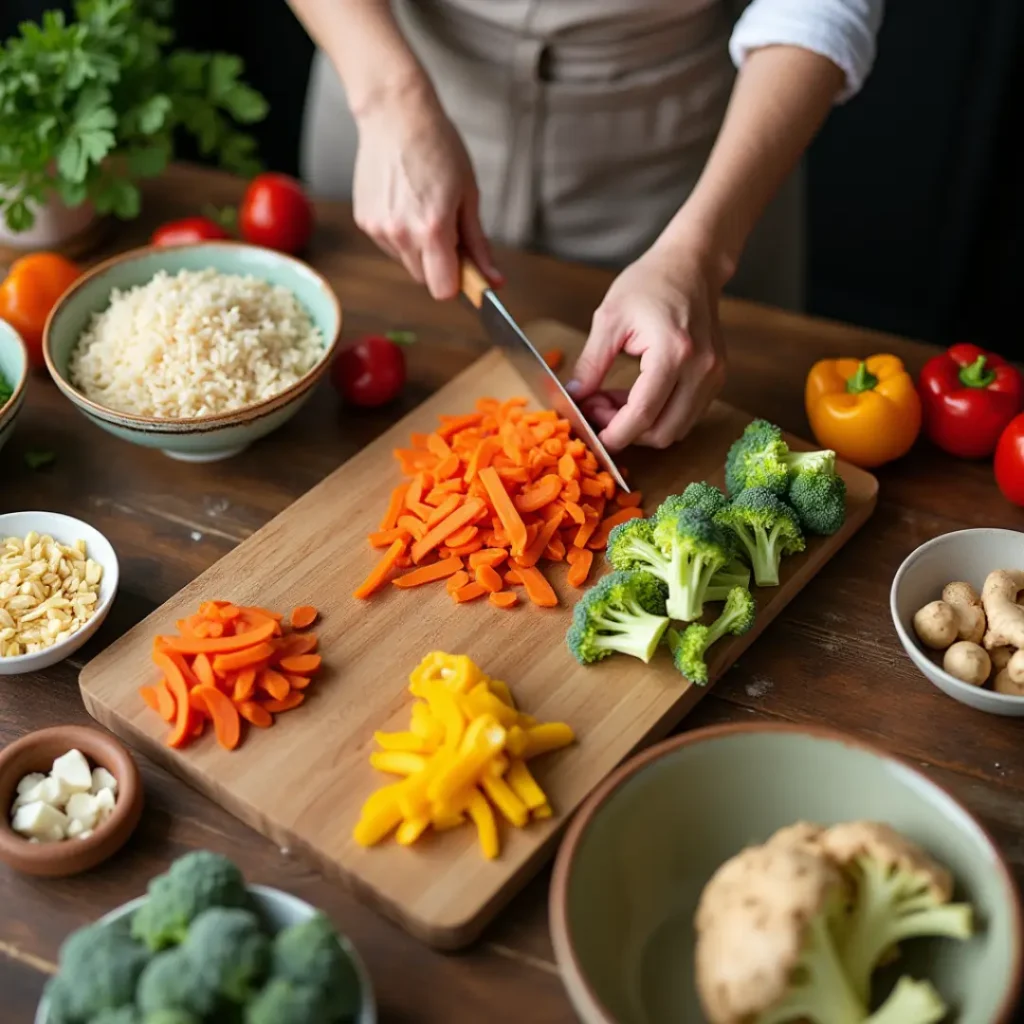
column 55, row 224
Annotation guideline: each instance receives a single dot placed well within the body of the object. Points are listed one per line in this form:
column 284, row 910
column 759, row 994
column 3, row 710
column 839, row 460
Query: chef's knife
column 508, row 336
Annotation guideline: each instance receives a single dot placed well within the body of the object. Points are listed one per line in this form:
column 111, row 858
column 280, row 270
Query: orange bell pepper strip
column 867, row 411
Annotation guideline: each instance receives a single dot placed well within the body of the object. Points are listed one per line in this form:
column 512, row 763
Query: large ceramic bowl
column 14, row 370
column 204, row 438
column 968, row 555
column 280, row 909
column 638, row 854
column 67, row 530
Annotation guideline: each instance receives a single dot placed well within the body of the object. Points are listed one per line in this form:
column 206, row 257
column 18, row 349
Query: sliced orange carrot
column 567, row 467
column 301, row 664
column 463, row 536
column 293, row 700
column 555, row 551
column 489, row 578
column 303, row 616
column 377, row 577
column 580, row 561
column 586, row 531
column 470, row 592
column 429, row 573
column 198, row 705
column 447, row 467
column 245, row 683
column 576, row 512
column 592, row 488
column 623, row 515
column 513, row 578
column 149, row 695
column 629, row 499
column 460, row 579
column 183, row 718
column 544, row 536
column 304, row 643
column 542, row 493
column 412, row 526
column 255, row 714
column 451, row 425
column 273, row 683
column 504, row 599
column 487, row 556
column 444, row 529
column 484, row 451
column 416, row 489
column 298, row 682
column 255, row 655
column 554, row 357
column 165, row 701
column 384, row 538
column 466, row 549
column 445, row 509
column 226, row 723
column 223, row 644
column 538, row 590
column 511, row 521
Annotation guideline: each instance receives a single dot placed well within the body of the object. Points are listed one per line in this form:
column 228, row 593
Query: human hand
column 415, row 194
column 664, row 309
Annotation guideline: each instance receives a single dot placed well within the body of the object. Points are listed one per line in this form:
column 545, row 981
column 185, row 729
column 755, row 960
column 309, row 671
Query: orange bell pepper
column 31, row 289
column 868, row 412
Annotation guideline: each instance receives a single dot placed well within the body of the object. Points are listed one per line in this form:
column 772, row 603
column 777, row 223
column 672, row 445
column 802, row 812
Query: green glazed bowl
column 639, row 852
column 14, row 370
column 204, row 438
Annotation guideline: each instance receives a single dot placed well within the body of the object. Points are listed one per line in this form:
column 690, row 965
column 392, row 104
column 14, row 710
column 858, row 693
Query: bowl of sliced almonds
column 58, row 578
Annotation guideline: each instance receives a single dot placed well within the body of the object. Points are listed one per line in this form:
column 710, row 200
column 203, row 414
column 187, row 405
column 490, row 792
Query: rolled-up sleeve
column 844, row 31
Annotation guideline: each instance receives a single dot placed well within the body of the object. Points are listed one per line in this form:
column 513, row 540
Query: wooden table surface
column 832, row 657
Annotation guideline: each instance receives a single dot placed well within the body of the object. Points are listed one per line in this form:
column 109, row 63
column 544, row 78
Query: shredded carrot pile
column 490, row 497
column 230, row 663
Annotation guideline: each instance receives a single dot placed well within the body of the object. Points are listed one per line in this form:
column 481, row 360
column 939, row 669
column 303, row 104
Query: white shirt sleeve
column 844, row 31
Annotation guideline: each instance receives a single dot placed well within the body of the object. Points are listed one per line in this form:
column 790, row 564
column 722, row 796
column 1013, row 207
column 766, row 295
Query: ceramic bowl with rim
column 14, row 370
column 203, row 438
column 968, row 555
column 67, row 530
column 279, row 909
column 638, row 854
column 36, row 752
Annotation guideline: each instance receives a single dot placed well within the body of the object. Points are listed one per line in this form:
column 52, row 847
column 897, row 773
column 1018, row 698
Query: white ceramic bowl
column 968, row 555
column 281, row 909
column 67, row 530
column 14, row 369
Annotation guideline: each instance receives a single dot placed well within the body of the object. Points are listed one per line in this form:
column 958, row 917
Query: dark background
column 916, row 219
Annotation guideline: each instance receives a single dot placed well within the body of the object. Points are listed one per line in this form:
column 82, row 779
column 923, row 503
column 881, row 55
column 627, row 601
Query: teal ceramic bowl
column 14, row 370
column 637, row 855
column 204, row 438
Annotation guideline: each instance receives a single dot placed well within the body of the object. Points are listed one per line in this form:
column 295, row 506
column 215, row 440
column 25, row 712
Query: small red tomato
column 371, row 371
column 1009, row 461
column 276, row 213
column 187, row 231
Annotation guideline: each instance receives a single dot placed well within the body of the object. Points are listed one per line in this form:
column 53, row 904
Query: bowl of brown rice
column 196, row 350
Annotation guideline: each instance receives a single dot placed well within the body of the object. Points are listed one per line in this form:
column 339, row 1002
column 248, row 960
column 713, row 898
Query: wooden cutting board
column 303, row 782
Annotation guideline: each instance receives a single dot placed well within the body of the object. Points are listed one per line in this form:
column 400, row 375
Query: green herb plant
column 90, row 106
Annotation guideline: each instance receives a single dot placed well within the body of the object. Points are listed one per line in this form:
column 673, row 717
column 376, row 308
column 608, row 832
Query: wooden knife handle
column 472, row 282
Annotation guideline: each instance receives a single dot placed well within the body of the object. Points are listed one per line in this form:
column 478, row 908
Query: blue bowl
column 203, row 438
column 14, row 370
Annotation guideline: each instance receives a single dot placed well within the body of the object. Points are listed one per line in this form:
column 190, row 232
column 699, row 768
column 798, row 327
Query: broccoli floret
column 631, row 546
column 228, row 951
column 170, row 982
column 758, row 459
column 281, row 1002
column 911, row 1002
column 704, row 497
column 193, row 883
column 58, row 1002
column 99, row 968
column 696, row 548
column 766, row 527
column 624, row 613
column 735, row 574
column 123, row 1015
column 309, row 955
column 690, row 648
column 819, row 499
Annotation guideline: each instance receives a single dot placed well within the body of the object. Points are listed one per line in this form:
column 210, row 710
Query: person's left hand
column 664, row 309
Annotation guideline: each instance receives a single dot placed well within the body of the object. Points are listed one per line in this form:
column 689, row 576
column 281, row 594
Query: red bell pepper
column 968, row 396
column 1009, row 461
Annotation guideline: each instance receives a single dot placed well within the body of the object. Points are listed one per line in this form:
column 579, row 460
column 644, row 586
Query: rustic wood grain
column 172, row 522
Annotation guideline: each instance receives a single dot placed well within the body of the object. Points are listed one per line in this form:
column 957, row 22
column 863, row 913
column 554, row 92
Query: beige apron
column 587, row 121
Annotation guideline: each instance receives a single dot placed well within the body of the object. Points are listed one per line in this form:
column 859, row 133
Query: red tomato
column 371, row 371
column 276, row 213
column 187, row 231
column 1009, row 461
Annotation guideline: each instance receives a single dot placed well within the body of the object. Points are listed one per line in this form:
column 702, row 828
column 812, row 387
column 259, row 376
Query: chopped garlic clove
column 104, row 805
column 51, row 790
column 75, row 828
column 102, row 779
column 74, row 770
column 30, row 780
column 40, row 821
column 83, row 807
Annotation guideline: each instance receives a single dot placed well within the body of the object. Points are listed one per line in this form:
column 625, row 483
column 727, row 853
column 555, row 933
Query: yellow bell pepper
column 868, row 412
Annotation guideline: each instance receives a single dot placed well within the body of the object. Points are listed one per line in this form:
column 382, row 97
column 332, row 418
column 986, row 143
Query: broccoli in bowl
column 213, row 951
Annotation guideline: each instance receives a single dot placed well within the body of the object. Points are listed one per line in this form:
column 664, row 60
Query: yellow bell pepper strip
column 462, row 758
column 868, row 412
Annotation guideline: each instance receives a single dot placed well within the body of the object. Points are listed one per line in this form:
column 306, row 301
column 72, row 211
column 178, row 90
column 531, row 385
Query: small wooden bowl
column 36, row 752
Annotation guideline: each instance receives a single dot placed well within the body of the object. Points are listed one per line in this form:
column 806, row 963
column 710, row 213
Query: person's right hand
column 416, row 196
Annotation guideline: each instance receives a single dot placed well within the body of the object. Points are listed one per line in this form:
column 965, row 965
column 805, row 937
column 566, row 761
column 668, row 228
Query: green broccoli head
column 819, row 499
column 631, row 546
column 623, row 613
column 818, row 463
column 735, row 574
column 228, row 951
column 123, row 1015
column 99, row 968
column 766, row 527
column 193, row 883
column 695, row 548
column 704, row 497
column 282, row 1002
column 689, row 648
column 758, row 459
column 309, row 956
column 171, row 982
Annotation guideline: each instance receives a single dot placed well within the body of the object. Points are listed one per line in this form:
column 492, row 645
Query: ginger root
column 936, row 625
column 970, row 615
column 968, row 662
column 1005, row 616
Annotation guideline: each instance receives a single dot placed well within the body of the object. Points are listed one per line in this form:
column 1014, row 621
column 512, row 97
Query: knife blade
column 509, row 337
